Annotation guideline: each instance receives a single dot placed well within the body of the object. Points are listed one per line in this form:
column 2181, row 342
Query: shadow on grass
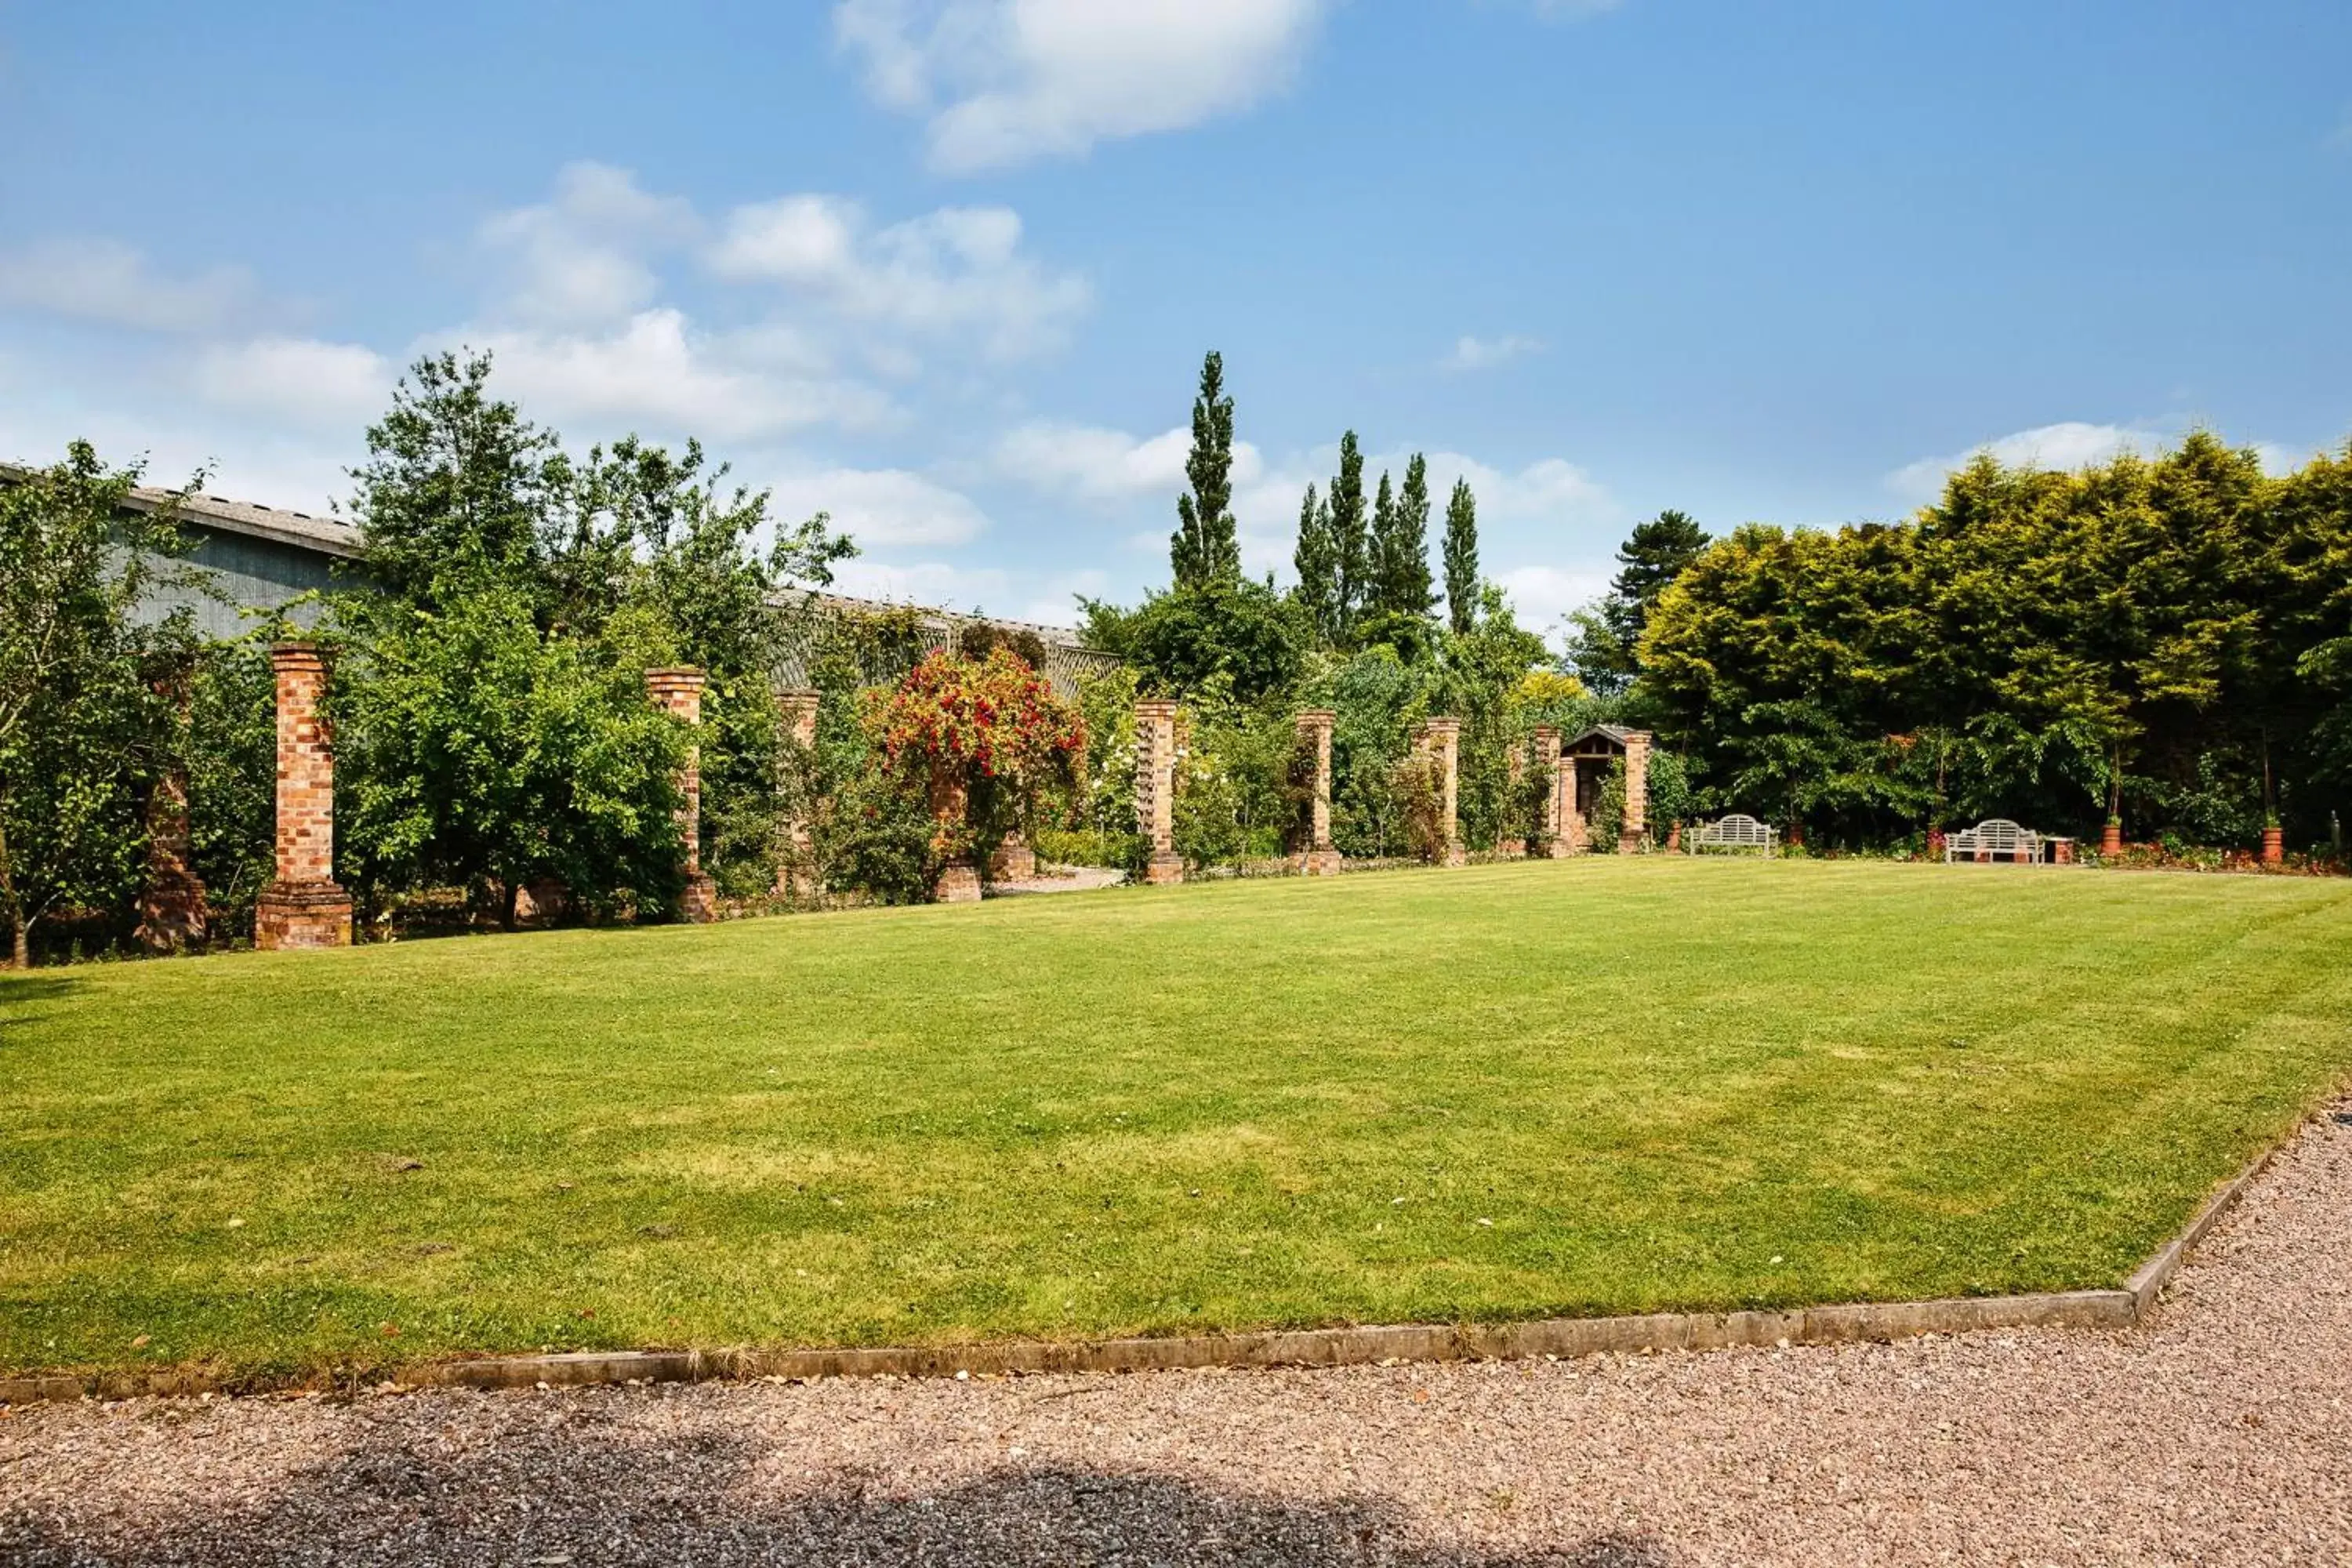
column 22, row 991
column 565, row 1495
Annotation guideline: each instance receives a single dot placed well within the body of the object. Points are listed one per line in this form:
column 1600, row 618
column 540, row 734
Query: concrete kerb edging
column 1845, row 1323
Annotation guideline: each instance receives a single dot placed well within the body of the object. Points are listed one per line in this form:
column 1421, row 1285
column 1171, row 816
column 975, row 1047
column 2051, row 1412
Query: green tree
column 1350, row 541
column 1462, row 558
column 81, row 732
column 1604, row 641
column 1206, row 545
column 1400, row 545
column 479, row 752
column 1317, row 561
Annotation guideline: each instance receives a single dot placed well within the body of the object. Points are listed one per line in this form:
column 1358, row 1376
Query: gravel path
column 2223, row 1433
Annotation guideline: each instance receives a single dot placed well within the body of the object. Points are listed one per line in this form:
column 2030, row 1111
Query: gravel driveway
column 2223, row 1433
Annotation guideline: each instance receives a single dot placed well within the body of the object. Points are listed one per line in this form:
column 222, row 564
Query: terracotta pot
column 2111, row 839
column 2273, row 846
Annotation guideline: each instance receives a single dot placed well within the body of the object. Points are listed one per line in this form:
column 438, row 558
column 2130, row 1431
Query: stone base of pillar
column 1318, row 862
column 1014, row 861
column 959, row 883
column 294, row 915
column 698, row 902
column 1164, row 870
column 1632, row 843
column 540, row 901
column 173, row 915
column 1512, row 848
column 1454, row 854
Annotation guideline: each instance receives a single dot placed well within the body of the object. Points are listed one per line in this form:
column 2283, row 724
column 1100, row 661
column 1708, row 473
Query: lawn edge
column 1836, row 1323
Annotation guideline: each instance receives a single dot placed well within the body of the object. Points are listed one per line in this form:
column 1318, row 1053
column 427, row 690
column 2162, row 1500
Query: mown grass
column 1665, row 1085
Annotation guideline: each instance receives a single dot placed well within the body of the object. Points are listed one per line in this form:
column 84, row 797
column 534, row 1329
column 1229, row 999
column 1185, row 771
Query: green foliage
column 1603, row 638
column 232, row 760
column 1106, row 791
column 1317, row 561
column 1205, row 550
column 1243, row 631
column 82, row 732
column 1233, row 800
column 475, row 753
column 1350, row 543
column 2033, row 646
column 1401, row 583
column 1462, row 559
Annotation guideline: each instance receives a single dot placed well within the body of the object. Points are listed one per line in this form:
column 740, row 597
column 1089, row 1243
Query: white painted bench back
column 1737, row 831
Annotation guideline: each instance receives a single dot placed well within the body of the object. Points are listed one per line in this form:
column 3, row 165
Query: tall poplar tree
column 1401, row 544
column 1462, row 558
column 1317, row 562
column 1349, row 547
column 1206, row 546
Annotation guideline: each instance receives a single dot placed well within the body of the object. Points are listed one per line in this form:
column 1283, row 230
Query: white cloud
column 1542, row 596
column 302, row 380
column 880, row 507
column 584, row 255
column 2069, row 445
column 106, row 280
column 1005, row 80
column 657, row 369
column 1100, row 465
column 958, row 268
column 1480, row 354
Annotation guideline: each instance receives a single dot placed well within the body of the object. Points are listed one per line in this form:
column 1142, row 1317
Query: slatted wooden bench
column 1995, row 838
column 1733, row 833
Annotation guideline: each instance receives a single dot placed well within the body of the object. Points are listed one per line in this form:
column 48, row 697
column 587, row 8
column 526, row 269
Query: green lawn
column 1666, row 1084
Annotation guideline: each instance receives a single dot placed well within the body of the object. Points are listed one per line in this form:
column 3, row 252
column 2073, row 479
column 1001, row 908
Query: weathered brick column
column 1441, row 740
column 679, row 692
column 1634, row 830
column 1548, row 837
column 303, row 908
column 1155, row 787
column 1320, row 857
column 1013, row 860
column 797, row 710
column 1510, row 845
column 958, row 881
column 172, row 911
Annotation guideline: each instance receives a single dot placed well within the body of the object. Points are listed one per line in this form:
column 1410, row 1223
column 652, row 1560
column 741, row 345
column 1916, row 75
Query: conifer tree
column 1206, row 546
column 1378, row 542
column 1401, row 544
column 1462, row 558
column 1317, row 562
column 1349, row 548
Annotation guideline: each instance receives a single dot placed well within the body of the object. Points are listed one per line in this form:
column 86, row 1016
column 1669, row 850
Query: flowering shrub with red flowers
column 987, row 737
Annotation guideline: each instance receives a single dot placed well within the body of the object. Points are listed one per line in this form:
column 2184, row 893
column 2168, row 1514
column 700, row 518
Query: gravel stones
column 2220, row 1433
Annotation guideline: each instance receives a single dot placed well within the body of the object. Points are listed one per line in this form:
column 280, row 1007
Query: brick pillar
column 1014, row 861
column 1155, row 787
column 1633, row 832
column 1548, row 841
column 958, row 881
column 1572, row 837
column 1319, row 857
column 797, row 711
column 172, row 911
column 1441, row 740
column 303, row 908
column 679, row 692
column 1512, row 843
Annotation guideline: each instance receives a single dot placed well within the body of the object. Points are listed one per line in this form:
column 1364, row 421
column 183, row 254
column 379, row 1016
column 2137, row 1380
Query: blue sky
column 946, row 267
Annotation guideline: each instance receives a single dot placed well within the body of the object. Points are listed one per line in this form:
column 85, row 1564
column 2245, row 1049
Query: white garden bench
column 1736, row 832
column 1994, row 839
